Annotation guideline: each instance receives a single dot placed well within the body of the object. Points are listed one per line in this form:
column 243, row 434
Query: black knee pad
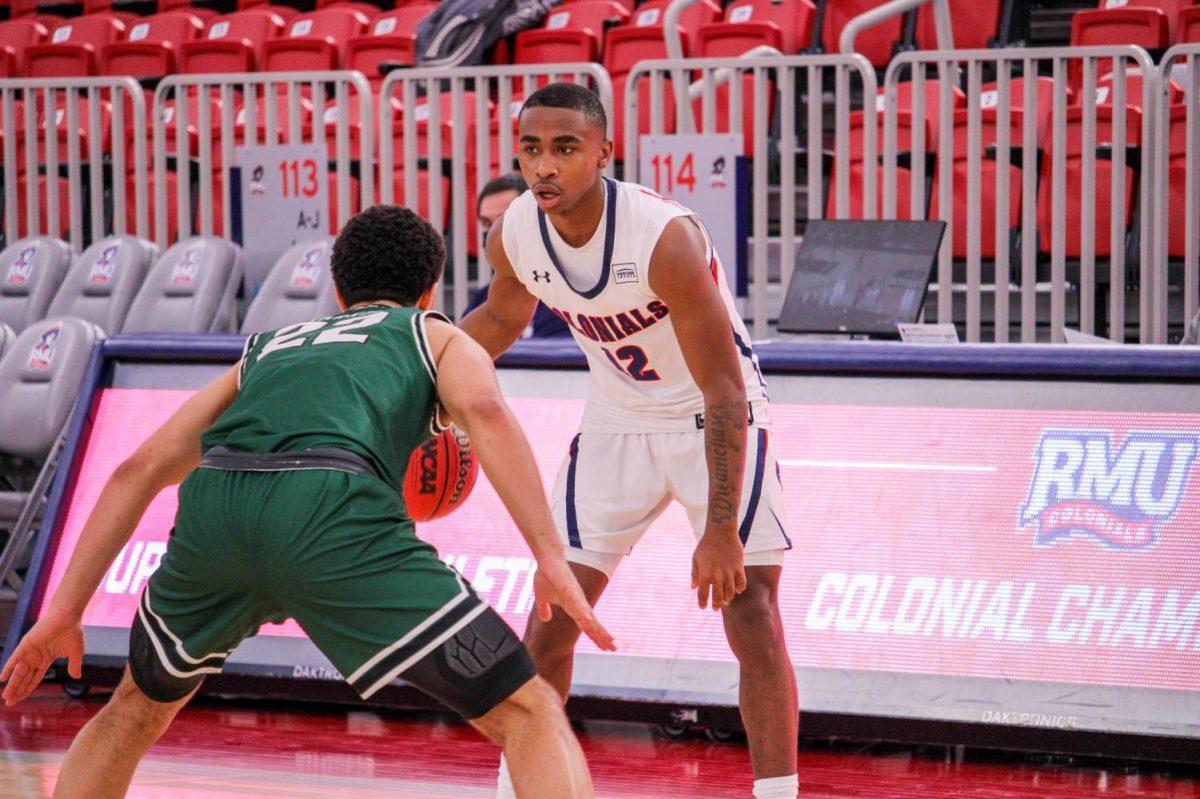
column 476, row 669
column 148, row 673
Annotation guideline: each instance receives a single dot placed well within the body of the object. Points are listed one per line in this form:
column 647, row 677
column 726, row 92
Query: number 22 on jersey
column 331, row 332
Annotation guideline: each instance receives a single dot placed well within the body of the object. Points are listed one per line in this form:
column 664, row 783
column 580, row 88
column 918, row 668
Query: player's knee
column 752, row 620
column 132, row 714
column 552, row 640
column 534, row 703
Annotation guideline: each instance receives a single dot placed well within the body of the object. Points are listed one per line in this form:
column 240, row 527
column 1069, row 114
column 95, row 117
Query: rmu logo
column 1081, row 487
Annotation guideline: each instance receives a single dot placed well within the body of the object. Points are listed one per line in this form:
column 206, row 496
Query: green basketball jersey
column 362, row 380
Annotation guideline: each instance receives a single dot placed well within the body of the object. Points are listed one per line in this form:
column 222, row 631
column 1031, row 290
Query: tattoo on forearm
column 725, row 441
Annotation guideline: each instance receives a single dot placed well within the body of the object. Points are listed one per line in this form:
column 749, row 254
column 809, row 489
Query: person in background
column 494, row 199
column 1192, row 334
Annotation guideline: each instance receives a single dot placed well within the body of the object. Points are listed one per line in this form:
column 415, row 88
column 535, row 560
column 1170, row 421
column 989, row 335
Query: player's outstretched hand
column 717, row 567
column 58, row 634
column 555, row 584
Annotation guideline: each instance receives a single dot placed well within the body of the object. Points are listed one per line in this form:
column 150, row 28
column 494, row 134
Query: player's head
column 387, row 253
column 563, row 145
column 495, row 197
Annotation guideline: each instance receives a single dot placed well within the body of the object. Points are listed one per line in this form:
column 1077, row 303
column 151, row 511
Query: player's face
column 562, row 155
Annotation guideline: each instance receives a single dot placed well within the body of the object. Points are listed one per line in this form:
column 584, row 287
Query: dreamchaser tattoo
column 725, row 443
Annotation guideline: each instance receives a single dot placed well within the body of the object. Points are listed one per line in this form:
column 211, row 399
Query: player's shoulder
column 524, row 207
column 646, row 201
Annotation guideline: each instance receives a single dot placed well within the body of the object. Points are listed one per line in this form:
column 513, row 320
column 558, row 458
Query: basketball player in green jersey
column 296, row 511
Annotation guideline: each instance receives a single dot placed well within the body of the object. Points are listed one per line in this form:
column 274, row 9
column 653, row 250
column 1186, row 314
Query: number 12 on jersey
column 633, row 361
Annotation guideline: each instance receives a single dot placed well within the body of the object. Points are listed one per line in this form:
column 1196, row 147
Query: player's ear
column 425, row 301
column 337, row 295
column 606, row 153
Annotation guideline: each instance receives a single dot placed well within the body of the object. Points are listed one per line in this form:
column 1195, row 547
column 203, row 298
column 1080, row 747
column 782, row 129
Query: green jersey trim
column 422, row 339
column 250, row 341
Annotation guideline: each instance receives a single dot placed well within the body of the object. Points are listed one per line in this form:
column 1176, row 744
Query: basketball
column 441, row 474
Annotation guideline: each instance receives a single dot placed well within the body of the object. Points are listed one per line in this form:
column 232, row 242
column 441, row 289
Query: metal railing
column 1100, row 131
column 82, row 137
column 791, row 90
column 334, row 110
column 454, row 129
column 1177, row 215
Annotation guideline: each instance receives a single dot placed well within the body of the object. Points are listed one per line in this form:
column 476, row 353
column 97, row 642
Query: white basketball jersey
column 639, row 380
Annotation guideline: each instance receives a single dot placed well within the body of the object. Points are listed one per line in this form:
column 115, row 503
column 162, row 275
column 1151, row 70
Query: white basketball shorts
column 612, row 486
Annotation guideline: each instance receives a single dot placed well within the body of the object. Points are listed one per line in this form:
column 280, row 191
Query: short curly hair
column 573, row 97
column 386, row 253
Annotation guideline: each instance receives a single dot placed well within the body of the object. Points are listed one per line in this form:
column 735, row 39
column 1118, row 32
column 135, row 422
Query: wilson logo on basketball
column 466, row 466
column 441, row 474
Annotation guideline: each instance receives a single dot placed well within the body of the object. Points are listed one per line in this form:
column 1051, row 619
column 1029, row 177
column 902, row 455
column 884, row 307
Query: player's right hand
column 58, row 634
column 555, row 584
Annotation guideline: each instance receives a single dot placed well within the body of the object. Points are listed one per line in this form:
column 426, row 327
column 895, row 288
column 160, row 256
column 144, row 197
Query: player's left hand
column 58, row 634
column 555, row 584
column 717, row 567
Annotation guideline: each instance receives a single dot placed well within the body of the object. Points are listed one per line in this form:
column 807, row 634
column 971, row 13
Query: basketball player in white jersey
column 676, row 407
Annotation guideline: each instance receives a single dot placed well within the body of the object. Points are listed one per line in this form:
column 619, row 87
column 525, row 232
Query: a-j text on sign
column 706, row 173
column 280, row 198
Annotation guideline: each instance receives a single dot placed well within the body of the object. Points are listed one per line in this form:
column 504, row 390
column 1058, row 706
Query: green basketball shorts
column 335, row 551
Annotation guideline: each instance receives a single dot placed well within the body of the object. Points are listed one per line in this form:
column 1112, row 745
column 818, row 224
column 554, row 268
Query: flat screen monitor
column 860, row 277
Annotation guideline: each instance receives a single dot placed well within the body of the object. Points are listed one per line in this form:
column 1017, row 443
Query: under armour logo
column 540, row 276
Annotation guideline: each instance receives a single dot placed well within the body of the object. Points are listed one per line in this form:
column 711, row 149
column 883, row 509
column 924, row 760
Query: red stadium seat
column 186, row 5
column 1133, row 89
column 83, row 129
column 73, row 47
column 238, row 119
column 232, row 42
column 628, row 5
column 855, row 171
column 876, row 43
column 1189, row 26
column 985, row 211
column 15, row 36
column 989, row 99
column 1144, row 27
column 642, row 39
column 315, row 41
column 975, row 24
column 149, row 47
column 905, row 98
column 784, row 26
column 353, row 116
column 21, row 9
column 371, row 10
column 1171, row 8
column 906, row 119
column 398, row 196
column 571, row 33
column 1102, row 183
column 649, row 17
column 172, row 203
column 64, row 206
column 392, row 39
column 285, row 11
column 1177, row 181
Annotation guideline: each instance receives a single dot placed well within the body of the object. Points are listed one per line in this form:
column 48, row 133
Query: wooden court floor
column 224, row 750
